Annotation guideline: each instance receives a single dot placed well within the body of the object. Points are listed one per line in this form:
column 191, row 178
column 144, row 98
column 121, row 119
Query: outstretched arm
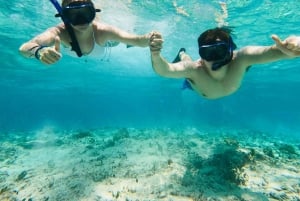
column 107, row 32
column 161, row 66
column 45, row 47
column 289, row 48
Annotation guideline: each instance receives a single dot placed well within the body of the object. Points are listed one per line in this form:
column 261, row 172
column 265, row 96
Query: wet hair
column 65, row 3
column 210, row 36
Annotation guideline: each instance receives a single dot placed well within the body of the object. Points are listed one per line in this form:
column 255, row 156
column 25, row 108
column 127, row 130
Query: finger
column 155, row 47
column 155, row 36
column 57, row 44
column 277, row 40
column 51, row 57
column 158, row 35
column 54, row 54
column 46, row 60
column 158, row 40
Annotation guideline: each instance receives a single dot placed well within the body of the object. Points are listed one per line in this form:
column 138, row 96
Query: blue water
column 123, row 90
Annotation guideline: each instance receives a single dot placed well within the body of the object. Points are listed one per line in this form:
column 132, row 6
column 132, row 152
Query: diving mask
column 79, row 13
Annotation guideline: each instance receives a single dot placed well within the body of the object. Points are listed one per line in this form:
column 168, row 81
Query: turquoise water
column 122, row 90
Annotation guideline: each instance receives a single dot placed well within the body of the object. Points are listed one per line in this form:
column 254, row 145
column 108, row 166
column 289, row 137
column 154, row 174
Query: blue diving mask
column 79, row 13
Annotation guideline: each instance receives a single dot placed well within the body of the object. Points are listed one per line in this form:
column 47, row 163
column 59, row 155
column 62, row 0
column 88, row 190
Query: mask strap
column 74, row 43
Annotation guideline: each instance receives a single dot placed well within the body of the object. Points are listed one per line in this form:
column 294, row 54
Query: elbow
column 22, row 50
column 160, row 71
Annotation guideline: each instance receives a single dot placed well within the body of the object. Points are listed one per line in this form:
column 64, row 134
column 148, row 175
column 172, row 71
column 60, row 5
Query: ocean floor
column 130, row 164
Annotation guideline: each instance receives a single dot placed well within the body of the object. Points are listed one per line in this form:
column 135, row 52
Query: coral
column 230, row 164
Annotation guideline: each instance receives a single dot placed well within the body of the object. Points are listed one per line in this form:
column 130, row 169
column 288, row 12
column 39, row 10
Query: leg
column 182, row 56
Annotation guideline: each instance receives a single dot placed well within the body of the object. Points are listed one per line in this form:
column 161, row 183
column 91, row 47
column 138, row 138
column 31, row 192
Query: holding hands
column 156, row 42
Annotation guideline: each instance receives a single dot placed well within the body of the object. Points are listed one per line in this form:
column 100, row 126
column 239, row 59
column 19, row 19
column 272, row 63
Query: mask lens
column 214, row 52
column 79, row 13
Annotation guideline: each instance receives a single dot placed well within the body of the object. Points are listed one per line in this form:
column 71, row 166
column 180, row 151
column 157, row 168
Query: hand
column 290, row 46
column 50, row 55
column 156, row 42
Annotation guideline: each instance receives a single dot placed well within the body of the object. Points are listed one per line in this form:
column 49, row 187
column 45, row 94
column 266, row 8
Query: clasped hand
column 156, row 42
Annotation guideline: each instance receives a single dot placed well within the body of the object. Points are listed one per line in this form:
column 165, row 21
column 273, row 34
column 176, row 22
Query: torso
column 86, row 38
column 216, row 84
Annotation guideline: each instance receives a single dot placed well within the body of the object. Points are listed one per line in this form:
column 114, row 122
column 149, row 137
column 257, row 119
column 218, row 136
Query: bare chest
column 210, row 87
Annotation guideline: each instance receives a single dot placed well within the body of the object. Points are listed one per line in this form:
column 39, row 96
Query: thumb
column 277, row 40
column 57, row 44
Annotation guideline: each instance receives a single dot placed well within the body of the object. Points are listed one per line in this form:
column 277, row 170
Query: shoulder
column 57, row 30
column 47, row 37
column 194, row 69
column 61, row 31
column 103, row 28
column 188, row 67
column 102, row 32
column 241, row 58
column 194, row 65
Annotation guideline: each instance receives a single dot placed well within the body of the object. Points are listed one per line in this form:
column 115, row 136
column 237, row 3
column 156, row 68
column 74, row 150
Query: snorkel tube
column 74, row 43
column 57, row 6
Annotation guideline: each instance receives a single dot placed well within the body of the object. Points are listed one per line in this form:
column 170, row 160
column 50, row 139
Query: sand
column 131, row 164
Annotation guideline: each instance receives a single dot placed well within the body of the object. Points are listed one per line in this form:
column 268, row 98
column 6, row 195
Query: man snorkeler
column 80, row 31
column 220, row 70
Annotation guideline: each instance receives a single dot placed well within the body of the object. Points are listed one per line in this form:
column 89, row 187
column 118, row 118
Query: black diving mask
column 79, row 13
column 214, row 52
column 220, row 52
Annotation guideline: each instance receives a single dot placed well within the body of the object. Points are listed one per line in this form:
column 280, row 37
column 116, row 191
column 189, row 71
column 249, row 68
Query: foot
column 177, row 58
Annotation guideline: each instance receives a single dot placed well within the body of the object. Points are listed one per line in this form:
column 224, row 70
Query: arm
column 40, row 47
column 164, row 68
column 286, row 49
column 106, row 32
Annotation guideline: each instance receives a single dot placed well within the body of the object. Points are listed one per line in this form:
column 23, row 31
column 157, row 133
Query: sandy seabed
column 127, row 164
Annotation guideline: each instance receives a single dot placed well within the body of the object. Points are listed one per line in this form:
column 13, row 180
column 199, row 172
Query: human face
column 214, row 52
column 79, row 13
column 220, row 53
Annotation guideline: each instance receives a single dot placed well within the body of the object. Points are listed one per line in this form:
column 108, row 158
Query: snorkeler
column 220, row 70
column 80, row 31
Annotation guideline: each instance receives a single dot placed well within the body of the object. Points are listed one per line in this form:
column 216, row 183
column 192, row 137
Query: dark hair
column 210, row 36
